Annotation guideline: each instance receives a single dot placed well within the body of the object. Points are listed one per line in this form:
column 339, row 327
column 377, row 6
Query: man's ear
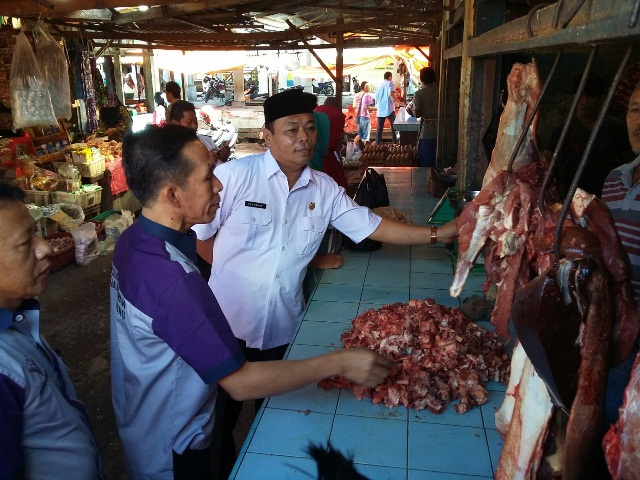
column 267, row 136
column 169, row 193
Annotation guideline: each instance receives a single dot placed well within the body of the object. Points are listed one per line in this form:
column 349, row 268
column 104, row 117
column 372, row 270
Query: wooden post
column 149, row 84
column 117, row 67
column 339, row 57
column 238, row 87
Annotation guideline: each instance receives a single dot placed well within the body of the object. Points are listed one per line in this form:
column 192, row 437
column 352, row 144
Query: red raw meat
column 441, row 356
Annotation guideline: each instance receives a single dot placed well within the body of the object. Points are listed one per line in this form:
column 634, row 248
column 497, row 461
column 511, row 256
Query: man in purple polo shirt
column 170, row 342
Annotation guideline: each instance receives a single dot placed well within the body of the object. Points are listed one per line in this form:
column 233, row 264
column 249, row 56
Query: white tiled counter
column 387, row 443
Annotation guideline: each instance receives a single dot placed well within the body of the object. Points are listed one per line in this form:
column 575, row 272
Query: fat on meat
column 475, row 224
column 621, row 444
column 523, row 88
column 440, row 355
column 530, row 409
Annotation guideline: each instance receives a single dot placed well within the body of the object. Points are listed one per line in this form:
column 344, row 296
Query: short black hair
column 178, row 108
column 158, row 99
column 173, row 88
column 154, row 156
column 387, row 75
column 427, row 75
column 10, row 193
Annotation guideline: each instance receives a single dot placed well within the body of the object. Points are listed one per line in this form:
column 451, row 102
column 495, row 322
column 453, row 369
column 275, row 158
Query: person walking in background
column 386, row 101
column 44, row 429
column 425, row 103
column 363, row 106
column 172, row 93
column 160, row 112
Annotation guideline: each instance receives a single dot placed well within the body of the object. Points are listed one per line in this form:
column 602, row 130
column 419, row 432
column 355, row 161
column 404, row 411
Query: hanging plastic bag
column 402, row 115
column 53, row 66
column 353, row 152
column 30, row 100
column 86, row 240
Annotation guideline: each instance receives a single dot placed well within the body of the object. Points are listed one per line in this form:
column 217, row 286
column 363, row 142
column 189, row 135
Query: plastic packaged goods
column 53, row 65
column 30, row 100
column 86, row 240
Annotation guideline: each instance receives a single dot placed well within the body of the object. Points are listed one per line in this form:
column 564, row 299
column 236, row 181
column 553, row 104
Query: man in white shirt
column 274, row 211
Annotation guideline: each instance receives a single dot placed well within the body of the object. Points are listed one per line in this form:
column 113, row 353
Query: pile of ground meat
column 441, row 356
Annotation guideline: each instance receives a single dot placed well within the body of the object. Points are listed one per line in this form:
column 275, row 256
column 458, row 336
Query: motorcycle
column 216, row 134
column 215, row 89
column 251, row 93
column 355, row 83
column 324, row 88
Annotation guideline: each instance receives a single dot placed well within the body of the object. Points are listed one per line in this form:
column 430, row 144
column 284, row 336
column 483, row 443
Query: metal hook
column 565, row 128
column 557, row 12
column 634, row 14
column 529, row 121
column 573, row 12
column 530, row 16
column 587, row 151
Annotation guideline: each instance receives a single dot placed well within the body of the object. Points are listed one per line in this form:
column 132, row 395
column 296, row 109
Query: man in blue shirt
column 44, row 429
column 170, row 342
column 386, row 101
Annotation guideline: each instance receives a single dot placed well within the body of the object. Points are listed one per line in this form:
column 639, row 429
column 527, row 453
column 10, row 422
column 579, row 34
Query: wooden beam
column 173, row 10
column 310, row 48
column 196, row 23
column 33, row 7
column 339, row 58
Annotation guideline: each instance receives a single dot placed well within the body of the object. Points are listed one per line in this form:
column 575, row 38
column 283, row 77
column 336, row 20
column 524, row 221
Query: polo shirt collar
column 628, row 168
column 272, row 167
column 184, row 242
column 7, row 317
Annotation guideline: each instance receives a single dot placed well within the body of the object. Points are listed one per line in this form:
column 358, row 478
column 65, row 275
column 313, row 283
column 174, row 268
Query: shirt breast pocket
column 310, row 233
column 256, row 221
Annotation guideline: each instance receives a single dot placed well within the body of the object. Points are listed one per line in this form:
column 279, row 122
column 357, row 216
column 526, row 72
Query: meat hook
column 573, row 12
column 634, row 14
column 565, row 128
column 587, row 151
column 530, row 16
column 527, row 124
column 556, row 13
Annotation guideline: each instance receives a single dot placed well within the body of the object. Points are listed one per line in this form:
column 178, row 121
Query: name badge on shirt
column 255, row 205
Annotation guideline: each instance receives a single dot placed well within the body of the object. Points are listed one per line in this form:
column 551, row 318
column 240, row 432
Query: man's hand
column 326, row 261
column 221, row 154
column 364, row 367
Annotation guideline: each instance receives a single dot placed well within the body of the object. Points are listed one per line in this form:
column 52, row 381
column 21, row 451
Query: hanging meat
column 622, row 442
column 523, row 88
column 571, row 305
column 441, row 356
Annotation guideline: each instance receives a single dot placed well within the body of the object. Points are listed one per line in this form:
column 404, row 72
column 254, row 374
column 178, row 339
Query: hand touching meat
column 365, row 367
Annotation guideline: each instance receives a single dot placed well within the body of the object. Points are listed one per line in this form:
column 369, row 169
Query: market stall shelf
column 386, row 442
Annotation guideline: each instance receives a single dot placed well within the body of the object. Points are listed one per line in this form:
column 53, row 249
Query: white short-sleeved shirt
column 266, row 237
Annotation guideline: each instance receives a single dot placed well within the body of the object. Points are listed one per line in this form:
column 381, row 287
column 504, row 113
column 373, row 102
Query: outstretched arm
column 263, row 379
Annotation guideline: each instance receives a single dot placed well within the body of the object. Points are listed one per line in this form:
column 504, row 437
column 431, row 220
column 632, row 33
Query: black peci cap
column 289, row 102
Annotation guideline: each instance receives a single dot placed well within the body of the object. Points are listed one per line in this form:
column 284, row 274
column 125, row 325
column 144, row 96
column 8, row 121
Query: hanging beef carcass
column 622, row 442
column 564, row 321
column 523, row 88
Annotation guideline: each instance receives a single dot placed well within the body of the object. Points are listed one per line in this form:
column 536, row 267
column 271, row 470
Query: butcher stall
column 386, row 442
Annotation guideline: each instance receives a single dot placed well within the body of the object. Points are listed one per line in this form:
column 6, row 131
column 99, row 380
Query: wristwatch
column 434, row 235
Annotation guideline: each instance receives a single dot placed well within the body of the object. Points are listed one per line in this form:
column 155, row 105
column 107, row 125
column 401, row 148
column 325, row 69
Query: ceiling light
column 143, row 8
